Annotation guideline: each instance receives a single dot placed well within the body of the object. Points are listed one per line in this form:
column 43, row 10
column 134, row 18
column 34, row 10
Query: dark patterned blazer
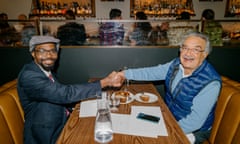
column 45, row 103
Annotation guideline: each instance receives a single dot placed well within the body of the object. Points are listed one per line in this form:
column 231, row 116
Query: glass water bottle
column 103, row 132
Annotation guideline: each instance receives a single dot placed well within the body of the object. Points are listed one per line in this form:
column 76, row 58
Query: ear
column 205, row 54
column 33, row 54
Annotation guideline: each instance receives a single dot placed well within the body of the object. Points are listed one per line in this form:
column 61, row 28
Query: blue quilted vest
column 180, row 100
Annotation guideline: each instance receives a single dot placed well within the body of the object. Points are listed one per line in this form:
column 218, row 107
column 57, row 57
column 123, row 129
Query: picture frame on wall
column 232, row 8
column 209, row 0
column 113, row 0
column 81, row 8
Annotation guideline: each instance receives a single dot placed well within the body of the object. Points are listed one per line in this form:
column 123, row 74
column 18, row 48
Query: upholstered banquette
column 11, row 115
column 226, row 127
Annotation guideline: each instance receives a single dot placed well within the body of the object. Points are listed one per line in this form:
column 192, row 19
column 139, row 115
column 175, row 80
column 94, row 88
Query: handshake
column 114, row 79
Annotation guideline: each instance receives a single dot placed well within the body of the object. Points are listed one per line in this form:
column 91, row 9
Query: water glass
column 114, row 103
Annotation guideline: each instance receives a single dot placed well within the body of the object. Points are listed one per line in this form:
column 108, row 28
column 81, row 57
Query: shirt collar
column 182, row 69
column 47, row 73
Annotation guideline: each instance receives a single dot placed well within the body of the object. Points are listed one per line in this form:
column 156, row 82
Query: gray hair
column 208, row 47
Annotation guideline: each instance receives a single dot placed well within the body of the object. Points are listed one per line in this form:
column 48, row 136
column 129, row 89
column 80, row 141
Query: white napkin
column 88, row 108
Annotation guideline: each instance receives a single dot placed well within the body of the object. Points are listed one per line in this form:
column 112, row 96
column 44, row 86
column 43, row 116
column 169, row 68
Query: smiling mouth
column 188, row 59
column 48, row 62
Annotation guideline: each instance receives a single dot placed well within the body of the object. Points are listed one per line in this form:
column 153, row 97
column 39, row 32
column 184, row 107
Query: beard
column 46, row 66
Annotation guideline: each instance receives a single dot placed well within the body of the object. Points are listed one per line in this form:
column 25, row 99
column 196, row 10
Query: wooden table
column 81, row 130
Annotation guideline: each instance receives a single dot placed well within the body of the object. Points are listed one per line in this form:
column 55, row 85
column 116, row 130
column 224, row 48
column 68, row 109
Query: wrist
column 105, row 82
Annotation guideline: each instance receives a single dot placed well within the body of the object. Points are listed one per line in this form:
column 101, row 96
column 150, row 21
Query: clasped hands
column 114, row 79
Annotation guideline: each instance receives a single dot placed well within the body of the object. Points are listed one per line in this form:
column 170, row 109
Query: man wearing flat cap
column 46, row 101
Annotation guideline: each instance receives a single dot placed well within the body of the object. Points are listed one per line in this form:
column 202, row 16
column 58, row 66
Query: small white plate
column 152, row 97
column 130, row 99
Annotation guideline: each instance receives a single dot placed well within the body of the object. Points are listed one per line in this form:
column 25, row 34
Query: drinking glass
column 114, row 103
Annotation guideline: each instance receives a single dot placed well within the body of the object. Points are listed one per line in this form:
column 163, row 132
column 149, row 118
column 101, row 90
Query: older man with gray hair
column 192, row 85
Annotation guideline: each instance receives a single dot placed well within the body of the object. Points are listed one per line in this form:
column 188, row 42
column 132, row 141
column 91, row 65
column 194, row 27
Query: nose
column 189, row 51
column 47, row 54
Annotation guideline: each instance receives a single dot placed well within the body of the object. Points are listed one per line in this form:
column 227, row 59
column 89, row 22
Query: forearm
column 105, row 82
column 149, row 73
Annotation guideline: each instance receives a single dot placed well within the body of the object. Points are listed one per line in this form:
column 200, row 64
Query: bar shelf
column 162, row 8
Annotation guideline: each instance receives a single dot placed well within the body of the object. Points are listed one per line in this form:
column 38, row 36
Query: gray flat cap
column 36, row 40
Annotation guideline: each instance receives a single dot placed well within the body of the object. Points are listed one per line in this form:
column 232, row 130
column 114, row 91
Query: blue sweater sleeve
column 153, row 73
column 202, row 105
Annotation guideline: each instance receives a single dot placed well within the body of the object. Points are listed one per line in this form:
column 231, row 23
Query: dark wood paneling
column 81, row 64
column 12, row 60
column 77, row 65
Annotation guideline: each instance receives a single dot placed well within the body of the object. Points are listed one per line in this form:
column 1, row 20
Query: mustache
column 188, row 57
column 52, row 59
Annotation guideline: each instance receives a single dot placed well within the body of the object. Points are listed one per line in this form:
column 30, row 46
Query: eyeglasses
column 194, row 50
column 45, row 52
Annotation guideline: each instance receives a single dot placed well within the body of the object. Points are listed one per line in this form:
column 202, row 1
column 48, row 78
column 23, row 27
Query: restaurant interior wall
column 77, row 64
column 15, row 7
